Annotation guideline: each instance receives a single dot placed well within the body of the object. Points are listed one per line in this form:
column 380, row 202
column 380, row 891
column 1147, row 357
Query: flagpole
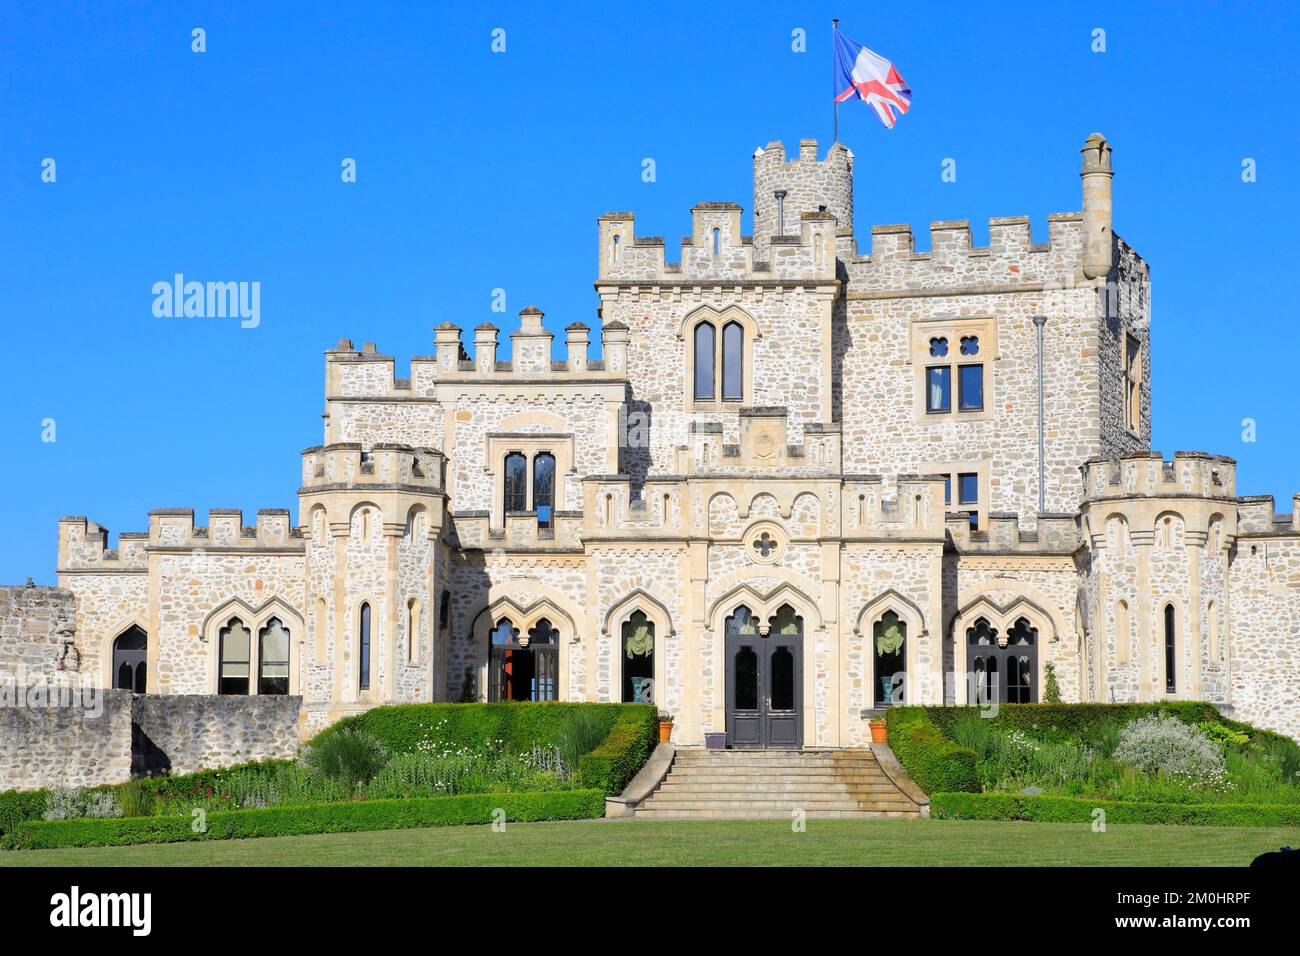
column 835, row 29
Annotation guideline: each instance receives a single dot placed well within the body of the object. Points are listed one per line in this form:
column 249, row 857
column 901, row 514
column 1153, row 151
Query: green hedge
column 516, row 726
column 1045, row 809
column 616, row 761
column 468, row 808
column 1082, row 720
column 930, row 758
column 19, row 805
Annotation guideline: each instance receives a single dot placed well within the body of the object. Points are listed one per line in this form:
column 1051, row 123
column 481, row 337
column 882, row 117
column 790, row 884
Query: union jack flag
column 870, row 77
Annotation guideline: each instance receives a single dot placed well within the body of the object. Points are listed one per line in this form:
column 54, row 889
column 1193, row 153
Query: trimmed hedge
column 19, row 805
column 470, row 808
column 616, row 761
column 1083, row 720
column 1046, row 809
column 516, row 726
column 930, row 758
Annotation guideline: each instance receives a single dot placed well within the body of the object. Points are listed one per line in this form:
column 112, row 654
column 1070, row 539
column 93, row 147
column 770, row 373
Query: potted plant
column 665, row 727
column 878, row 732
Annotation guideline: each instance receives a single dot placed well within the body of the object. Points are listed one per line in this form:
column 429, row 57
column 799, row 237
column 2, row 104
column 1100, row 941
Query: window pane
column 516, row 482
column 273, row 662
column 782, row 679
column 365, row 647
column 236, row 641
column 938, row 389
column 638, row 659
column 733, row 357
column 947, row 489
column 971, row 386
column 746, row 670
column 704, row 358
column 970, row 345
column 968, row 488
column 544, row 487
column 938, row 347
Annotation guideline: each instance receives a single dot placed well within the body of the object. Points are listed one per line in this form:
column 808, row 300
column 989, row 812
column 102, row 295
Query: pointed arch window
column 638, row 643
column 705, row 357
column 235, row 642
column 363, row 644
column 733, row 362
column 1171, row 649
column 889, row 647
column 523, row 668
column 273, row 658
column 130, row 660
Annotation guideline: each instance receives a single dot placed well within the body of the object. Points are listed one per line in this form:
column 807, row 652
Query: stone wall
column 188, row 732
column 83, row 741
column 1264, row 657
column 37, row 631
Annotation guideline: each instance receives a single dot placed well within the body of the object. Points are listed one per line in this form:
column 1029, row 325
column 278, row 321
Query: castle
column 802, row 484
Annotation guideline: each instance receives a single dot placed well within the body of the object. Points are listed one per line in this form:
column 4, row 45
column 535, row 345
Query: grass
column 710, row 843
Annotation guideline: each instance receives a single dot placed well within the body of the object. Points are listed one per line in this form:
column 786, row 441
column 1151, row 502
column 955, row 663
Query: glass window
column 516, row 482
column 704, row 359
column 544, row 488
column 235, row 642
column 130, row 655
column 786, row 621
column 938, row 347
column 938, row 389
column 273, row 658
column 1171, row 656
column 742, row 622
column 968, row 488
column 782, row 679
column 638, row 659
column 947, row 489
column 970, row 387
column 733, row 358
column 970, row 345
column 364, row 682
column 746, row 671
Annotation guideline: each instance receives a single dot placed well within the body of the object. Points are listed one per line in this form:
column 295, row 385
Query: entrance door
column 1005, row 669
column 764, row 681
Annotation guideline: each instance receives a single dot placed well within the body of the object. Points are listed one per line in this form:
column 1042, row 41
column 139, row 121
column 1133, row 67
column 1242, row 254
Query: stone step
column 648, row 814
column 777, row 768
column 760, row 772
column 788, row 805
column 760, row 783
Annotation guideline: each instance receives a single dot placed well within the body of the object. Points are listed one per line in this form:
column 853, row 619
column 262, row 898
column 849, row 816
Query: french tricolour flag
column 861, row 73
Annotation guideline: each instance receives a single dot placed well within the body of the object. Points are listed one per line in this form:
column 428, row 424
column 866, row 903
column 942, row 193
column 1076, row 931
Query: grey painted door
column 764, row 691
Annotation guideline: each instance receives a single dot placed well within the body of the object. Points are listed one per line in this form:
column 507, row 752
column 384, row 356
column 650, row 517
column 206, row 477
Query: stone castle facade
column 802, row 483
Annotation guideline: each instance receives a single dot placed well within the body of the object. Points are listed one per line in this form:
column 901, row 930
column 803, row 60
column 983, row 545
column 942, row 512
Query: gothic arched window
column 638, row 643
column 363, row 643
column 516, row 485
column 733, row 361
column 544, row 487
column 273, row 658
column 705, row 357
column 234, row 646
column 1171, row 649
column 130, row 656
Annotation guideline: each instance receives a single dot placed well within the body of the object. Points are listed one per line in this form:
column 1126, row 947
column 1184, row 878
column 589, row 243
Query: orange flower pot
column 665, row 731
column 878, row 732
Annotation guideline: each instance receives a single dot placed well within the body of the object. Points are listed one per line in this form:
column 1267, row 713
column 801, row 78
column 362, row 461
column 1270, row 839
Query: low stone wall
column 187, row 732
column 79, row 742
column 37, row 631
column 92, row 737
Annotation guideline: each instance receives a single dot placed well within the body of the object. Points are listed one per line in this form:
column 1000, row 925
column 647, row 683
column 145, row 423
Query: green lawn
column 686, row 843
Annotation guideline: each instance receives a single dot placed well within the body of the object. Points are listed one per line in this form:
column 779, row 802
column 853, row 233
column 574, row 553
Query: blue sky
column 478, row 171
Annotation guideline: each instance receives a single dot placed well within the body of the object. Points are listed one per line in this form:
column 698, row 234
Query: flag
column 870, row 77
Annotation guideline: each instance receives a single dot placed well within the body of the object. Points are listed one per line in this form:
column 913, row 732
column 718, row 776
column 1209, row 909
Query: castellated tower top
column 806, row 186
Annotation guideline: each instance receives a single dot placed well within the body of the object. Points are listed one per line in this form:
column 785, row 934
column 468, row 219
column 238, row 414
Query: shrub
column 580, row 734
column 1160, row 744
column 137, row 798
column 311, row 818
column 68, row 803
column 623, row 752
column 19, row 805
column 1051, row 687
column 350, row 756
column 930, row 758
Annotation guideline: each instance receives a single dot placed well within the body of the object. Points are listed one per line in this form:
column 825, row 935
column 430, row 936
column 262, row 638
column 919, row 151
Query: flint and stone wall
column 187, row 732
column 65, row 746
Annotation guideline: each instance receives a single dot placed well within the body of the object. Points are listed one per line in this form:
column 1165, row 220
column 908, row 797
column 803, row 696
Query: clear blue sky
column 479, row 170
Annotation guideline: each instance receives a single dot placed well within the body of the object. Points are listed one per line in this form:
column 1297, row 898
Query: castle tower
column 1096, row 175
column 805, row 185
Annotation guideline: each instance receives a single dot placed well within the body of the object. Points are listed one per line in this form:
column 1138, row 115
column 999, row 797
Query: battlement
column 914, row 509
column 366, row 373
column 785, row 189
column 347, row 466
column 715, row 251
column 1051, row 534
column 1256, row 516
column 83, row 544
column 473, row 531
column 1147, row 474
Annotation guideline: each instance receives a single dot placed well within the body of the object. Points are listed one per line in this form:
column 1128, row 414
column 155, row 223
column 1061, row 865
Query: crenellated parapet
column 368, row 375
column 715, row 251
column 1187, row 474
column 83, row 544
column 1051, row 534
column 912, row 508
column 349, row 465
column 763, row 447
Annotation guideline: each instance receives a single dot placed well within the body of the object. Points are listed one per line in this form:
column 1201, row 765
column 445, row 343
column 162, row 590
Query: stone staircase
column 771, row 784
